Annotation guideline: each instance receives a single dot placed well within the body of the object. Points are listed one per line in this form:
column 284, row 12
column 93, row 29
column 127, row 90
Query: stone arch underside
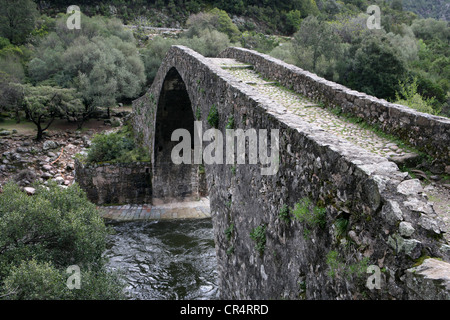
column 173, row 182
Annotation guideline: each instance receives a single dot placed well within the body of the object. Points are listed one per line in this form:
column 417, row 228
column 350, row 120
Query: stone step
column 175, row 210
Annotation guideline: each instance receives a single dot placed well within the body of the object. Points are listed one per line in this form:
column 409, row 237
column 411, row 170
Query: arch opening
column 173, row 182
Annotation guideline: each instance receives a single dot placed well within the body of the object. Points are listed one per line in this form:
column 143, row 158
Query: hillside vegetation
column 51, row 72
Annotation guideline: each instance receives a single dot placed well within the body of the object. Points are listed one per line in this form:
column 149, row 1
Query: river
column 165, row 259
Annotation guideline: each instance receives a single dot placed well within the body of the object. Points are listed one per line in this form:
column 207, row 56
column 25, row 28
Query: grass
column 312, row 216
column 284, row 214
column 377, row 131
column 26, row 127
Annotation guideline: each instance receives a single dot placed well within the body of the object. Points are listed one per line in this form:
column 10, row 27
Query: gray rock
column 22, row 150
column 59, row 180
column 47, row 167
column 410, row 247
column 29, row 190
column 50, row 144
column 429, row 281
column 391, row 212
column 46, row 176
column 5, row 133
column 410, row 187
column 429, row 224
column 406, row 229
column 418, row 206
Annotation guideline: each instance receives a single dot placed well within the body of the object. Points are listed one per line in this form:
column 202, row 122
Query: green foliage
column 376, row 69
column 258, row 235
column 45, row 103
column 341, row 226
column 198, row 114
column 230, row 123
column 293, row 20
column 100, row 60
column 215, row 19
column 305, row 212
column 17, row 19
column 213, row 117
column 284, row 214
column 229, row 231
column 313, row 43
column 116, row 147
column 43, row 234
column 408, row 96
column 258, row 41
column 338, row 268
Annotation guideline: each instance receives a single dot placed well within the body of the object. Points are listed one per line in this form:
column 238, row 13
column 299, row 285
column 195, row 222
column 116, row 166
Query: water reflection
column 165, row 259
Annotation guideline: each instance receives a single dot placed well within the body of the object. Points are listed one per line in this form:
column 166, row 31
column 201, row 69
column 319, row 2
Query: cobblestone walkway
column 178, row 210
column 314, row 114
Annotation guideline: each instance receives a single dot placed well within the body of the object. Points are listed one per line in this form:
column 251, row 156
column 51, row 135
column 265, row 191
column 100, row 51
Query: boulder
column 29, row 190
column 50, row 144
column 5, row 133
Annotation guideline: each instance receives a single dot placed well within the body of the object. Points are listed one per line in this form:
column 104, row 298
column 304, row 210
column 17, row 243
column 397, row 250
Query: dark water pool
column 165, row 260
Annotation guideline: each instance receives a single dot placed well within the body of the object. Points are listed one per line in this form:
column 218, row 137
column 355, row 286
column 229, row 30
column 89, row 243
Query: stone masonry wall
column 388, row 220
column 430, row 134
column 123, row 183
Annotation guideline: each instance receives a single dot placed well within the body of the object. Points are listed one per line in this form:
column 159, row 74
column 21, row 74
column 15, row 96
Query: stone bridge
column 338, row 202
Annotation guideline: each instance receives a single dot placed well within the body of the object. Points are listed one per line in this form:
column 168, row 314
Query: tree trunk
column 17, row 114
column 40, row 132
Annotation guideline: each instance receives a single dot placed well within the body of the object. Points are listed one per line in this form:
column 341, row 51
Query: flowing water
column 165, row 260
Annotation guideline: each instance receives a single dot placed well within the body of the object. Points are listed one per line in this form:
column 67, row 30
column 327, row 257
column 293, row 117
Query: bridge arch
column 172, row 182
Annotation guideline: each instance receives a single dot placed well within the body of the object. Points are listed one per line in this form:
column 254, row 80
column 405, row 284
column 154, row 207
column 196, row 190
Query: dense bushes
column 42, row 235
column 116, row 146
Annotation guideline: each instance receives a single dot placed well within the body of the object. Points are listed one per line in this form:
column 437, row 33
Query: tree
column 293, row 21
column 313, row 40
column 215, row 19
column 101, row 61
column 44, row 103
column 376, row 68
column 17, row 19
column 11, row 73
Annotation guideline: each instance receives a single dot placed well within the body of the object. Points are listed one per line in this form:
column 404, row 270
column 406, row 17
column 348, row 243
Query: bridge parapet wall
column 428, row 133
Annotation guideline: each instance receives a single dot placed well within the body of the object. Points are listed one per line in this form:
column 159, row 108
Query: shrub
column 409, row 96
column 43, row 234
column 117, row 146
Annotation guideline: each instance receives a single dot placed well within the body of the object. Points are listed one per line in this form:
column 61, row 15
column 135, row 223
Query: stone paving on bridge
column 325, row 119
column 311, row 112
column 177, row 210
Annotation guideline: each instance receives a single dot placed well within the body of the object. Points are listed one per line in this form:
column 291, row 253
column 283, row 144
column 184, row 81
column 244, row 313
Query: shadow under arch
column 173, row 182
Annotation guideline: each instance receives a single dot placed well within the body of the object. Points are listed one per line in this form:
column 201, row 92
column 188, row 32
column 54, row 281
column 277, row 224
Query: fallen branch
column 62, row 150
